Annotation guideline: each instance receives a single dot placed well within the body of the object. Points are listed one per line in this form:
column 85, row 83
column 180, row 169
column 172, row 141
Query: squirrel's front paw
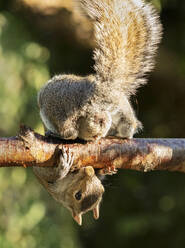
column 65, row 162
column 69, row 133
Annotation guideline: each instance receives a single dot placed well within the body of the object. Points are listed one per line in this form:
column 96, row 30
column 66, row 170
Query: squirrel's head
column 82, row 193
column 94, row 125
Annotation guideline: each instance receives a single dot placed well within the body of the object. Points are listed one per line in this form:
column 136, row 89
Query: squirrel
column 127, row 33
column 79, row 191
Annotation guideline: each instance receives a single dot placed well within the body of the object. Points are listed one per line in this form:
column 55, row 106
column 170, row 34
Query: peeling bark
column 32, row 149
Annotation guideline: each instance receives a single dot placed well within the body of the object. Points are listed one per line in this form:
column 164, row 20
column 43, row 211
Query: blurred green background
column 40, row 38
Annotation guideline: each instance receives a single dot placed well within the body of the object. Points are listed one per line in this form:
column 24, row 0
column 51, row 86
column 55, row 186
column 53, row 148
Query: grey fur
column 127, row 33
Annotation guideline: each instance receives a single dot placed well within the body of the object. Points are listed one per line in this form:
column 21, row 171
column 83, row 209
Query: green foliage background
column 138, row 209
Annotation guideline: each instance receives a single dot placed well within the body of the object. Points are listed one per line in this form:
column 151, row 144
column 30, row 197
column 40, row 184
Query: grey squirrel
column 127, row 33
column 79, row 191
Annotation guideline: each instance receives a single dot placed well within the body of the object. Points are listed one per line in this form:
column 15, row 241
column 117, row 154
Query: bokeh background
column 41, row 38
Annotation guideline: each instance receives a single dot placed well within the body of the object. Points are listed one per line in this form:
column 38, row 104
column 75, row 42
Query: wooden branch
column 32, row 149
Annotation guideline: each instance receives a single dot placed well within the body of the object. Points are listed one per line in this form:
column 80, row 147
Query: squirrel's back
column 127, row 33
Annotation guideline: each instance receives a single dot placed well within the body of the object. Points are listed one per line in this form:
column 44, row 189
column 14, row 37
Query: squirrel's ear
column 89, row 171
column 96, row 211
column 77, row 218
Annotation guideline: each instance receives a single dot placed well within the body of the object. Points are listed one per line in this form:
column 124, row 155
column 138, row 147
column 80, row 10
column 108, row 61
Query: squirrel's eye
column 50, row 182
column 78, row 195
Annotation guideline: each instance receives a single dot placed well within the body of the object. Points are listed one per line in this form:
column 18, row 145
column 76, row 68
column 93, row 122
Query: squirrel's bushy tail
column 127, row 33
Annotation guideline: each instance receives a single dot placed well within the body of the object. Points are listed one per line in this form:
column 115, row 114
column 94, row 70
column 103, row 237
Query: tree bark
column 32, row 149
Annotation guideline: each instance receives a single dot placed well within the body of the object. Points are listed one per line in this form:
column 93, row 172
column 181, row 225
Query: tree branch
column 32, row 149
